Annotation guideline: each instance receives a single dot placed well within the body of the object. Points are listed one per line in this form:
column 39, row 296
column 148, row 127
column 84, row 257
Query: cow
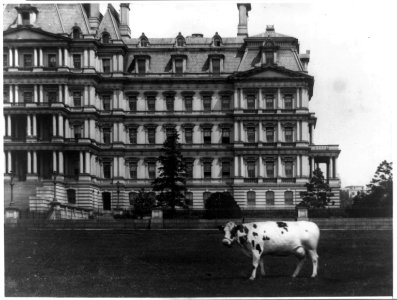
column 274, row 238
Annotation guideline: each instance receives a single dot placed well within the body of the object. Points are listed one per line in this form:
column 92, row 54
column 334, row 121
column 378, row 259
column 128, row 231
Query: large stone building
column 88, row 99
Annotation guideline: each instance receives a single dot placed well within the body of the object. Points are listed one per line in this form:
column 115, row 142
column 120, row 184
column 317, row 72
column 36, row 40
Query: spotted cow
column 275, row 238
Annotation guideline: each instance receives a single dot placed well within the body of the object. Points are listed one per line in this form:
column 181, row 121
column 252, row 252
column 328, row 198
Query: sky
column 351, row 45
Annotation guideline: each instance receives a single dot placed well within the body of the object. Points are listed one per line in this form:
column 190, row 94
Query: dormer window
column 180, row 40
column 26, row 14
column 216, row 40
column 140, row 64
column 76, row 33
column 144, row 42
column 105, row 38
column 216, row 63
column 269, row 52
column 178, row 64
column 25, row 18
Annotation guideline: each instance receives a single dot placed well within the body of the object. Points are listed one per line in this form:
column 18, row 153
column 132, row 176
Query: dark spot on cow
column 246, row 229
column 253, row 243
column 265, row 238
column 282, row 232
column 242, row 239
column 233, row 232
column 254, row 225
column 282, row 225
column 258, row 247
column 240, row 228
column 254, row 234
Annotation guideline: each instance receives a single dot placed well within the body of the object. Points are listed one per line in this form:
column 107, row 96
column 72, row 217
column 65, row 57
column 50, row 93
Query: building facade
column 87, row 108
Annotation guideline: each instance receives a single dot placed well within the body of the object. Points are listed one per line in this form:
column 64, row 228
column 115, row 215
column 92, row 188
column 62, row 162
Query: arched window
column 189, row 199
column 71, row 194
column 105, row 38
column 289, row 198
column 76, row 34
column 132, row 197
column 251, row 198
column 269, row 198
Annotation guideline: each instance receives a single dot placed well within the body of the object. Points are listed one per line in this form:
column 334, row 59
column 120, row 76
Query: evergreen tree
column 172, row 178
column 318, row 194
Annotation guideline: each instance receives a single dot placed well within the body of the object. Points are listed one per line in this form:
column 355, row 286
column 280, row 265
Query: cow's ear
column 221, row 228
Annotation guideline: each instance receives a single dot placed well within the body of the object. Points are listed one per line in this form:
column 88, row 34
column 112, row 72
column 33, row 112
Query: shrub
column 221, row 206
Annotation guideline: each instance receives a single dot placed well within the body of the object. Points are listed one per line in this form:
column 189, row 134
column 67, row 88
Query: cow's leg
column 262, row 266
column 255, row 262
column 314, row 257
column 300, row 253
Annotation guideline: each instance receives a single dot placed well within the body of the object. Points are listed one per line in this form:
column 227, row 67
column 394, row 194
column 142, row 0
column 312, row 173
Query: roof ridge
column 60, row 18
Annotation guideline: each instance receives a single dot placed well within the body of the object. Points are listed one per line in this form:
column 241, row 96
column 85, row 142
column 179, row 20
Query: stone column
column 54, row 125
column 278, row 99
column 331, row 167
column 241, row 99
column 279, row 135
column 242, row 167
column 66, row 57
column 29, row 162
column 67, row 100
column 16, row 58
column 85, row 59
column 9, row 162
column 35, row 96
column 92, row 58
column 16, row 94
column 67, row 129
column 236, row 135
column 115, row 173
column 335, row 167
column 54, row 161
column 41, row 99
column 260, row 135
column 60, row 157
column 236, row 166
column 59, row 57
column 41, row 57
column 114, row 62
column 298, row 166
column 120, row 63
column 34, row 125
column 9, row 126
column 279, row 167
column 10, row 51
column 81, row 162
column 242, row 137
column 86, row 96
column 60, row 98
column 86, row 128
column 260, row 104
column 11, row 93
column 60, row 126
column 34, row 162
column 235, row 98
column 261, row 172
column 29, row 125
column 87, row 163
column 35, row 58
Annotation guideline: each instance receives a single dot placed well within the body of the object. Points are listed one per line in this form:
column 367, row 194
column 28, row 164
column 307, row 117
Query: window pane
column 225, row 103
column 105, row 38
column 5, row 60
column 289, row 169
column 178, row 66
column 133, row 136
column 25, row 18
column 106, row 65
column 225, row 169
column 132, row 103
column 151, row 104
column 269, row 101
column 106, row 136
column 270, row 169
column 251, row 198
column 251, row 101
column 269, row 57
column 288, row 101
column 71, row 195
column 207, row 103
column 225, row 136
column 169, row 101
column 52, row 60
column 106, row 102
column 152, row 170
column 207, row 170
column 141, row 66
column 179, row 42
column 188, row 136
column 207, row 136
column 77, row 99
column 77, row 61
column 289, row 198
column 188, row 104
column 251, row 169
column 27, row 60
column 216, row 65
column 151, row 135
column 189, row 169
column 269, row 134
column 76, row 33
column 269, row 198
column 27, row 97
column 77, row 131
column 107, row 170
column 251, row 134
column 133, row 170
column 288, row 134
column 52, row 97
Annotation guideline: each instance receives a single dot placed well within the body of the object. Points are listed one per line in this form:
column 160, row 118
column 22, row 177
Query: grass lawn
column 187, row 264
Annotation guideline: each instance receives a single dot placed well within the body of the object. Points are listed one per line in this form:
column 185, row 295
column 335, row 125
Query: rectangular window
column 133, row 136
column 225, row 169
column 188, row 135
column 269, row 101
column 77, row 131
column 141, row 66
column 288, row 101
column 288, row 134
column 6, row 96
column 132, row 103
column 216, row 65
column 251, row 134
column 25, row 18
column 52, row 60
column 269, row 198
column 106, row 102
column 207, row 169
column 269, row 134
column 188, row 104
column 52, row 96
column 289, row 169
column 250, row 101
column 151, row 135
column 269, row 57
column 107, row 168
column 251, row 198
column 106, row 136
column 178, row 66
column 151, row 103
column 251, row 169
column 77, row 61
column 106, row 65
column 5, row 60
column 189, row 169
column 169, row 102
column 225, row 103
column 133, row 170
column 77, row 99
column 207, row 103
column 27, row 61
column 27, row 97
column 289, row 198
column 269, row 169
column 152, row 170
column 225, row 136
column 207, row 136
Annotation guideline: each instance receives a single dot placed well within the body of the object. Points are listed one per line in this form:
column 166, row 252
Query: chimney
column 125, row 21
column 93, row 16
column 243, row 9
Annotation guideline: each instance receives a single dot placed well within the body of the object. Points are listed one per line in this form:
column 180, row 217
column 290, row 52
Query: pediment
column 30, row 34
column 269, row 72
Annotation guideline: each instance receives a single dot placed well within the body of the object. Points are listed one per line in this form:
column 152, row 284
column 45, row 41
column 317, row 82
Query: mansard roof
column 110, row 23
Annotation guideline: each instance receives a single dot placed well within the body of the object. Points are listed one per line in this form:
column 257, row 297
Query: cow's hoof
column 251, row 278
column 314, row 276
column 294, row 275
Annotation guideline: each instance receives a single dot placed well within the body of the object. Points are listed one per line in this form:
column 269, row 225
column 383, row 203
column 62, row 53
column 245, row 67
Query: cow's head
column 230, row 230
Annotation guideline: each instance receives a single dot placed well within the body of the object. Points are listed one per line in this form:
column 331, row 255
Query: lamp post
column 12, row 188
column 54, row 180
